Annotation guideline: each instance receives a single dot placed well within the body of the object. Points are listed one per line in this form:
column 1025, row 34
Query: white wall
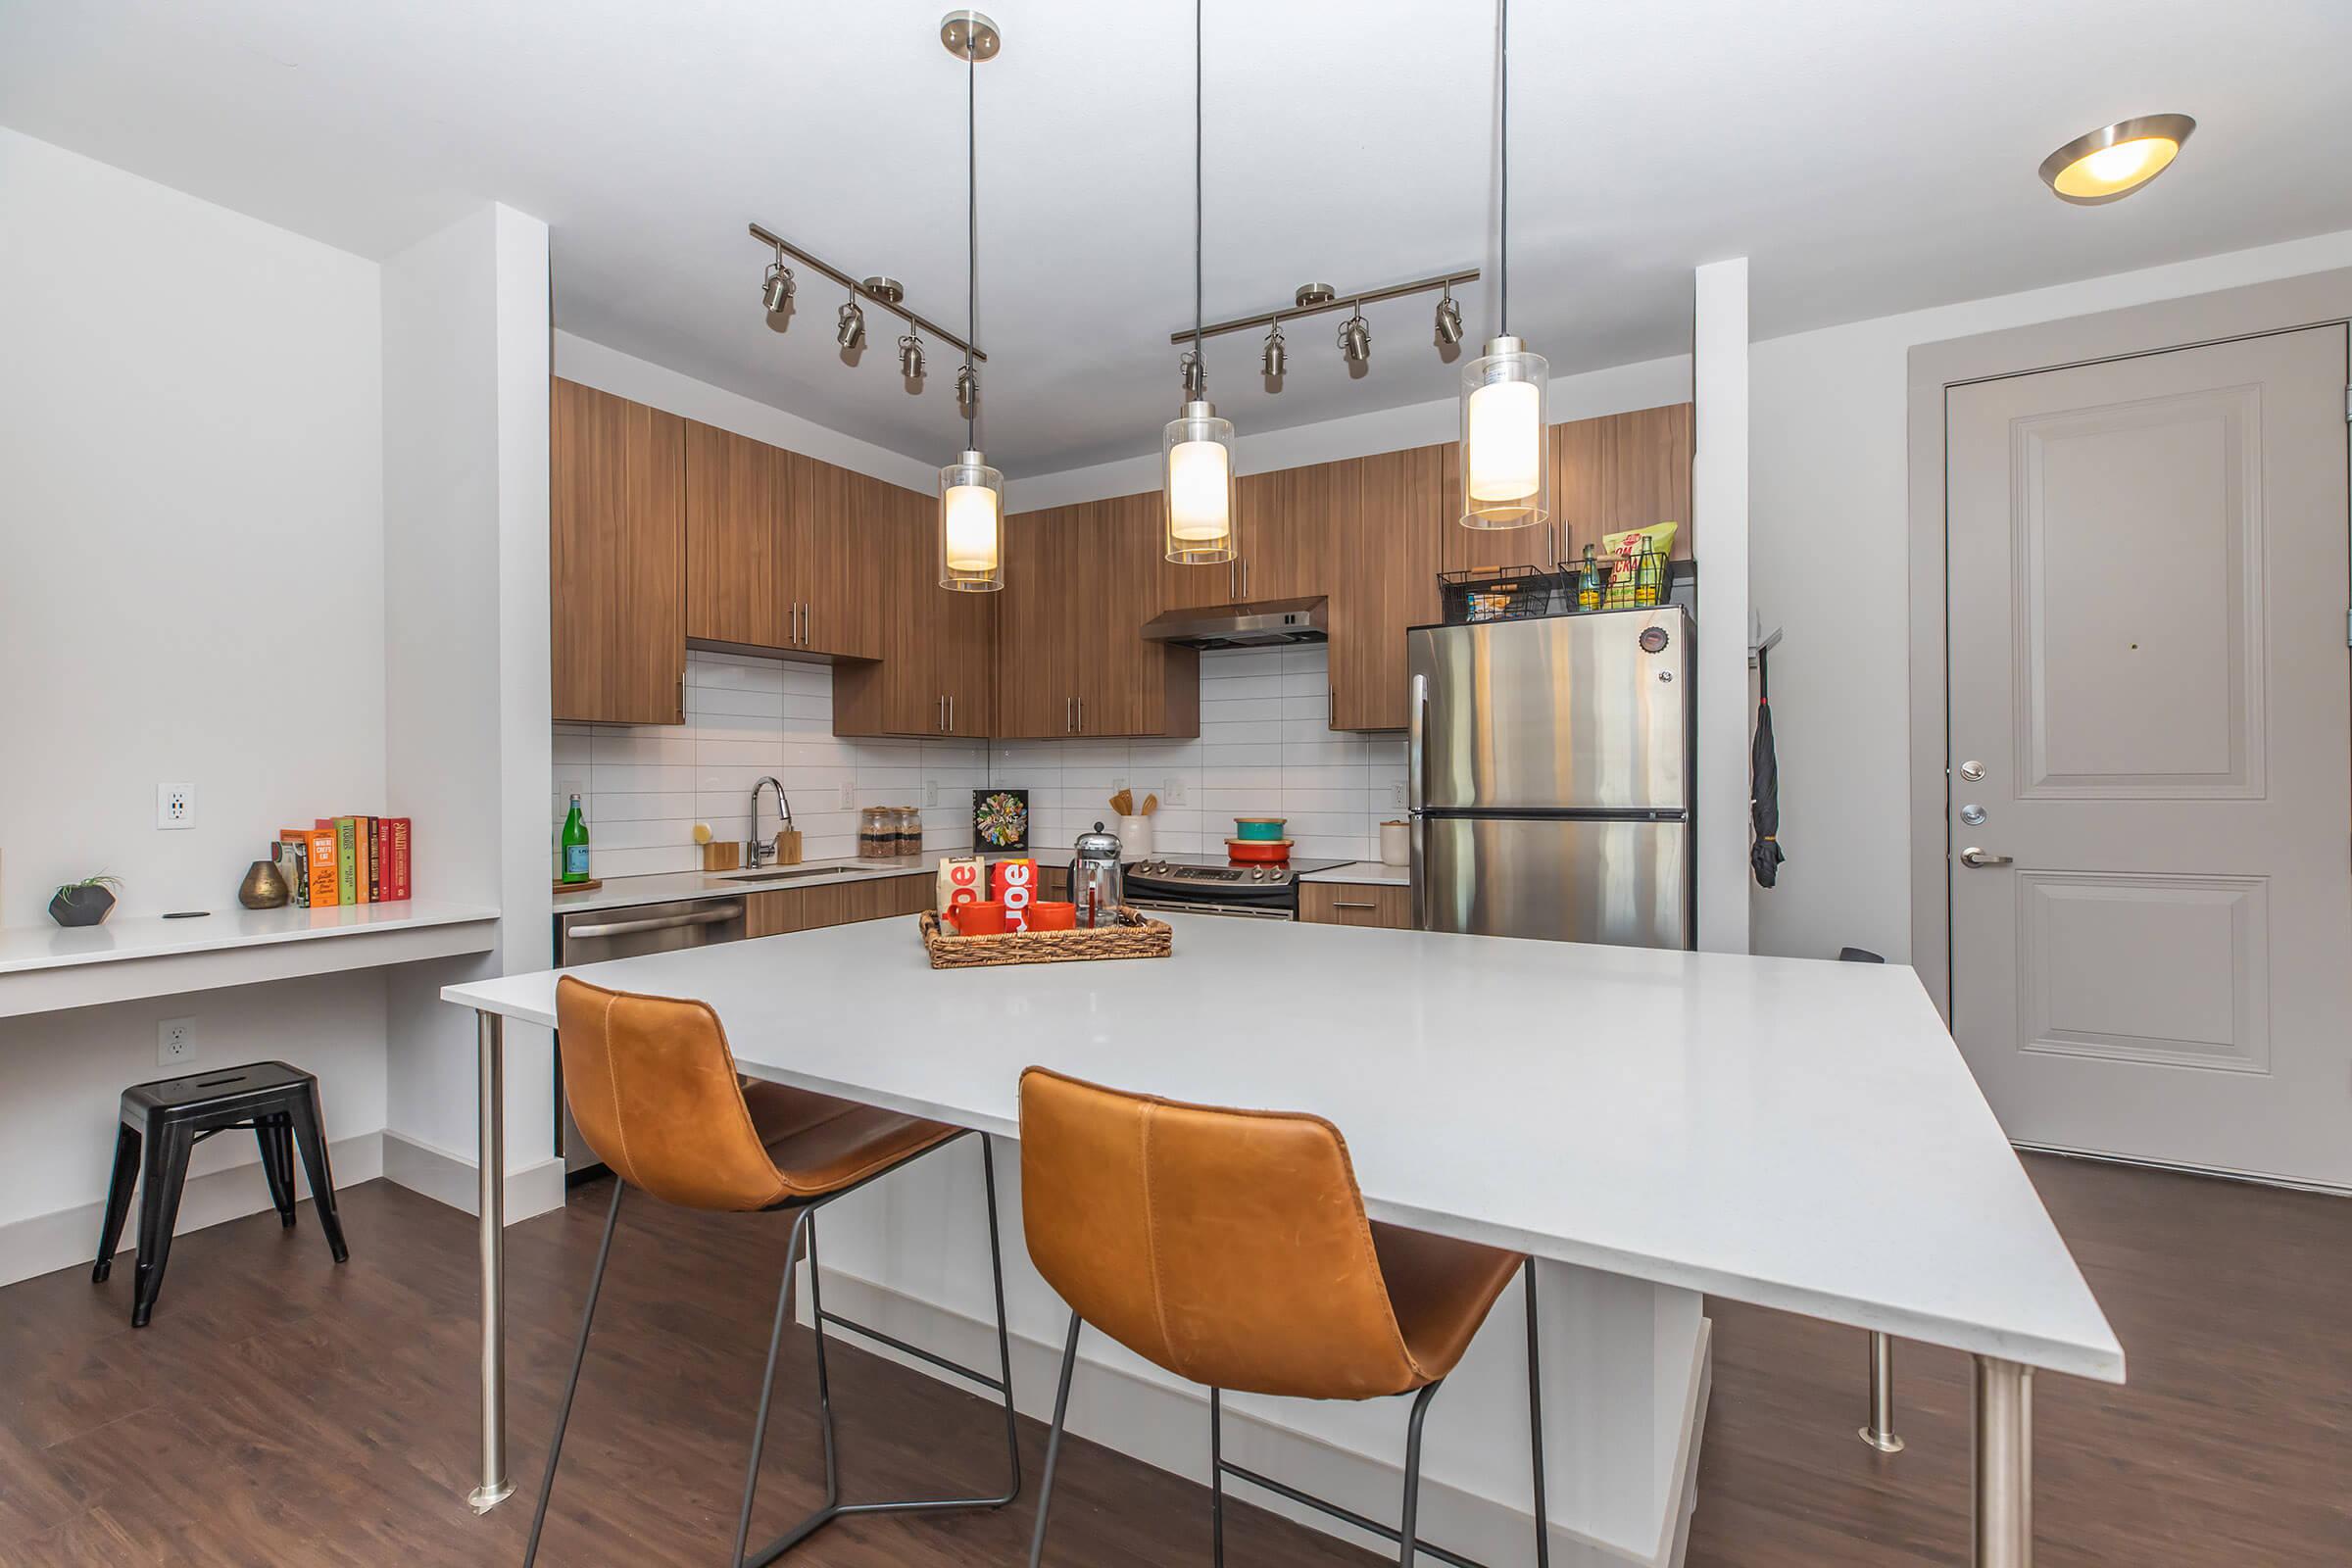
column 466, row 725
column 1718, row 544
column 1830, row 565
column 191, row 589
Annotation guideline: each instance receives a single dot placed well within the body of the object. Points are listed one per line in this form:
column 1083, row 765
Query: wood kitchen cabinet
column 1079, row 583
column 1624, row 471
column 1364, row 903
column 1284, row 548
column 777, row 557
column 616, row 558
column 779, row 911
column 1388, row 516
column 935, row 670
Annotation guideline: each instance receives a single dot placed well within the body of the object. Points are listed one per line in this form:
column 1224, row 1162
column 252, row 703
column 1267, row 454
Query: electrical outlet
column 930, row 792
column 175, row 1042
column 174, row 806
column 1396, row 795
column 849, row 794
column 1175, row 792
column 1117, row 784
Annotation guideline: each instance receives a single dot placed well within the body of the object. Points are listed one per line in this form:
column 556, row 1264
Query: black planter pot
column 82, row 906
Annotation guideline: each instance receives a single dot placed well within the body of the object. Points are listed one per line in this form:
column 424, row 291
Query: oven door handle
column 1223, row 912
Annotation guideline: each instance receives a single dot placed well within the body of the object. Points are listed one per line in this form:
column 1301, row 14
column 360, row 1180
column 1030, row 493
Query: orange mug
column 979, row 918
column 1050, row 917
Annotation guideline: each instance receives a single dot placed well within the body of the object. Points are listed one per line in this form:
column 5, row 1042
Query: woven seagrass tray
column 1134, row 937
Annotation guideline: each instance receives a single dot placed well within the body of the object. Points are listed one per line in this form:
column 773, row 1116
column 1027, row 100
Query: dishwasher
column 594, row 936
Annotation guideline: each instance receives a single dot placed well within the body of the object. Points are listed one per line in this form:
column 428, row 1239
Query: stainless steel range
column 1210, row 884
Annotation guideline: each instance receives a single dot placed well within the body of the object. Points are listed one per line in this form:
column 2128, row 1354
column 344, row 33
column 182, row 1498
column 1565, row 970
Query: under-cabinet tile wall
column 644, row 786
column 1265, row 750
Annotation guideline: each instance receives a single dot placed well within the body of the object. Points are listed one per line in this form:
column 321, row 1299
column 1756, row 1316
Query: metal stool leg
column 1534, row 1422
column 1061, row 1410
column 1412, row 1475
column 1879, row 1433
column 118, row 1200
column 1216, row 1477
column 580, row 1356
column 767, row 1387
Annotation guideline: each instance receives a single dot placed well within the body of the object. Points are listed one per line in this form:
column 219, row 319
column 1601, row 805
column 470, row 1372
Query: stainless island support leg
column 2004, row 1508
column 490, row 1153
column 1880, row 1434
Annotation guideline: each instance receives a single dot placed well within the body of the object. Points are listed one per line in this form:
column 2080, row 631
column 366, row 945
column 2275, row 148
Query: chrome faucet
column 757, row 851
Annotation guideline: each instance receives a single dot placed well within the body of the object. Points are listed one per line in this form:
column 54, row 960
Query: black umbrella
column 1764, row 789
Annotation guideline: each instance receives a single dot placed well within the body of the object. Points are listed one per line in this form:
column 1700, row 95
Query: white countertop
column 45, row 967
column 1797, row 1134
column 673, row 886
column 1365, row 874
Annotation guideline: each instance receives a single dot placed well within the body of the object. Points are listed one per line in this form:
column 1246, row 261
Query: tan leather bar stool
column 653, row 1089
column 1231, row 1247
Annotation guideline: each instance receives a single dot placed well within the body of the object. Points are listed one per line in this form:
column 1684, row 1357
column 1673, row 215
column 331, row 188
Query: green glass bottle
column 576, row 845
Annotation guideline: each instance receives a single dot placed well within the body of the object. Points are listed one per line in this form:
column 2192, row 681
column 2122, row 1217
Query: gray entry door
column 2148, row 668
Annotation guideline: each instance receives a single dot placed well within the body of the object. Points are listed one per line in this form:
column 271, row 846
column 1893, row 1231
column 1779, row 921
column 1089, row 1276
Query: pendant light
column 971, row 493
column 1197, row 447
column 1506, row 467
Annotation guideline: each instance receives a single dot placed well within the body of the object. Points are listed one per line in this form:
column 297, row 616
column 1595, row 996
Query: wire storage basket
column 1635, row 581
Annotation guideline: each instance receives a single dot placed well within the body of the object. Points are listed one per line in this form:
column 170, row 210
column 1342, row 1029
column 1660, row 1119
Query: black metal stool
column 173, row 1115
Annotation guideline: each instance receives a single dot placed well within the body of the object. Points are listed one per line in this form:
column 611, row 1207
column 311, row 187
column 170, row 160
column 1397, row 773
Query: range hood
column 1271, row 624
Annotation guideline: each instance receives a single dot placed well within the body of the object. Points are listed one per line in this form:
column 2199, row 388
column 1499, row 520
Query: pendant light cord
column 971, row 218
column 1502, row 286
column 1199, row 370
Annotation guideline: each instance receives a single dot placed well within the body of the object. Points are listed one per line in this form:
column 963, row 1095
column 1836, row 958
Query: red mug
column 979, row 918
column 1046, row 916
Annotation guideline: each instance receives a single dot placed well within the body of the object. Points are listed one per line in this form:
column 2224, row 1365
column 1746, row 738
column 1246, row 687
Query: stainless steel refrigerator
column 1552, row 771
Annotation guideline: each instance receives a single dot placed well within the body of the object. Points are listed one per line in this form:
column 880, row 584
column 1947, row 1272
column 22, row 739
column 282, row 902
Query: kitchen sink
column 783, row 873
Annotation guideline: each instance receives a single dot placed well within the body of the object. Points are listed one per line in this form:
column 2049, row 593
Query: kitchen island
column 1653, row 1126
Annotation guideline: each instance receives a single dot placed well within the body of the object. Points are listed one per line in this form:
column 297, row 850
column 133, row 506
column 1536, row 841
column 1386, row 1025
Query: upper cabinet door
column 833, row 565
column 1289, row 524
column 1035, row 698
column 1391, row 514
column 738, row 497
column 616, row 558
column 1647, row 471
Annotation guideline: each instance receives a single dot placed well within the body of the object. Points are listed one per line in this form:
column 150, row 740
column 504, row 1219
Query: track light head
column 968, row 392
column 850, row 329
column 1450, row 320
column 911, row 358
column 1196, row 377
column 776, row 293
column 1356, row 340
column 1276, row 358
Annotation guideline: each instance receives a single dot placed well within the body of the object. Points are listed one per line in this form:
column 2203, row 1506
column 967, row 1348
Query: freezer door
column 1562, row 879
column 1572, row 712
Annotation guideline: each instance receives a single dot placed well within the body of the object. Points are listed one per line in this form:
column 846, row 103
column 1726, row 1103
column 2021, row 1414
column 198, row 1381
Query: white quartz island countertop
column 1796, row 1134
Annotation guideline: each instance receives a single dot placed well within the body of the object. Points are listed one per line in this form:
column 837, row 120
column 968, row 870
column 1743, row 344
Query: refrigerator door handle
column 1416, row 725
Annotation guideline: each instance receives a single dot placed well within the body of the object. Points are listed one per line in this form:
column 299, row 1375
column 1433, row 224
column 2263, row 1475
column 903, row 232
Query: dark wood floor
column 281, row 1411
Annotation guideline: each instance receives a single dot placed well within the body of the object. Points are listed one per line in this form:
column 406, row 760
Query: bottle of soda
column 576, row 845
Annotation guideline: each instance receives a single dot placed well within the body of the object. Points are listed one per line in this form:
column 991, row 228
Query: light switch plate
column 174, row 806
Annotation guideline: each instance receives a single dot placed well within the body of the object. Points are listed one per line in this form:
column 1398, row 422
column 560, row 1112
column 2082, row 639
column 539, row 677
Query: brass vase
column 262, row 888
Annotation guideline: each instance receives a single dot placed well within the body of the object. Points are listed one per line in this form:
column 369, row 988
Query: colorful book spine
column 369, row 861
column 294, row 865
column 396, row 851
column 348, row 886
column 326, row 876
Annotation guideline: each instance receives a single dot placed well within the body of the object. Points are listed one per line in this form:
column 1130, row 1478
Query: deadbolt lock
column 1973, row 771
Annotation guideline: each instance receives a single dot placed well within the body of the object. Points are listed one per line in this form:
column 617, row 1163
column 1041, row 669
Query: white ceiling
column 1869, row 157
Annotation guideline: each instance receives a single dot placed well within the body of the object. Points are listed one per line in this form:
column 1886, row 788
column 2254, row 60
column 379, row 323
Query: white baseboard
column 70, row 1236
column 1167, row 1427
column 450, row 1178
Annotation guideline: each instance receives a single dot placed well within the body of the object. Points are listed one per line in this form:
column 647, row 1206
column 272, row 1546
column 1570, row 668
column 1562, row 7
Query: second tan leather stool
column 653, row 1089
column 1231, row 1247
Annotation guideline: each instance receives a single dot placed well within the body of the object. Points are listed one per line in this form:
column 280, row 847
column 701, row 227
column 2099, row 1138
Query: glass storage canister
column 877, row 833
column 911, row 830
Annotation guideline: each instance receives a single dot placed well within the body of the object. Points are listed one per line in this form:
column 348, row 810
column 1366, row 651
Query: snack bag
column 1013, row 884
column 1639, row 555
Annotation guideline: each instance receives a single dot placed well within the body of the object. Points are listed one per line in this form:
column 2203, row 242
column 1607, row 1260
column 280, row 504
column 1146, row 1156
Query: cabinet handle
column 1081, row 715
column 939, row 713
column 1342, row 903
column 1232, row 578
column 951, row 716
column 805, row 618
column 1244, row 578
column 1069, row 715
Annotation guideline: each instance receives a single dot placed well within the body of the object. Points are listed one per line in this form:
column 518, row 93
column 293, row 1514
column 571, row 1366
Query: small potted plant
column 87, row 902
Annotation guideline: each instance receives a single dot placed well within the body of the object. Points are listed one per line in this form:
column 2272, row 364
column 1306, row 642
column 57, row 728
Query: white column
column 1718, row 544
column 466, row 674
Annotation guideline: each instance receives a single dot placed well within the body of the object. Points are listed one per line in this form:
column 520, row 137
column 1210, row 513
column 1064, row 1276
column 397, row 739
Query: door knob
column 1974, row 857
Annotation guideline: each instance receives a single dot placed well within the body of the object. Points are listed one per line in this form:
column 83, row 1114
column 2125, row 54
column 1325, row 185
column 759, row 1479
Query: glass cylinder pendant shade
column 1196, row 483
column 971, row 525
column 1506, row 467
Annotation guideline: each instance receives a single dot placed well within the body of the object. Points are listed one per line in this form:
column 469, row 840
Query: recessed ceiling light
column 2114, row 161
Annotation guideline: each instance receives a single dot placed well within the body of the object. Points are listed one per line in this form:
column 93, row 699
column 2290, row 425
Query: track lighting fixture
column 1506, row 464
column 1275, row 361
column 1198, row 527
column 850, row 329
column 776, row 293
column 971, row 493
column 911, row 358
column 1356, row 339
column 1450, row 320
